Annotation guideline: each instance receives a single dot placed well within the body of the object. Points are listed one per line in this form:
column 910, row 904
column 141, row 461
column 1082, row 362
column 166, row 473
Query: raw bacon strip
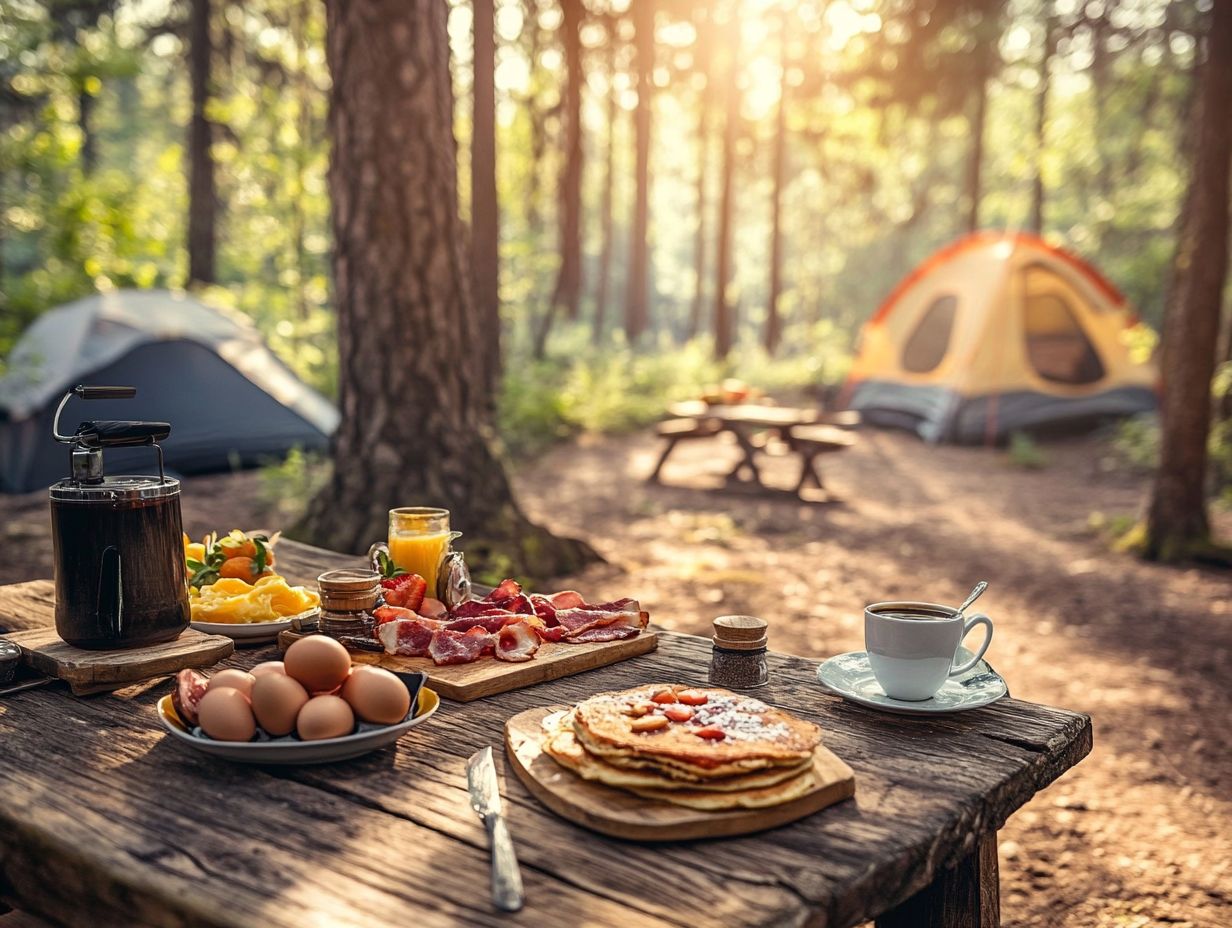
column 516, row 642
column 551, row 632
column 449, row 647
column 614, row 632
column 407, row 637
column 504, row 592
column 488, row 639
column 475, row 607
column 520, row 604
column 567, row 599
column 492, row 622
column 543, row 608
column 621, row 612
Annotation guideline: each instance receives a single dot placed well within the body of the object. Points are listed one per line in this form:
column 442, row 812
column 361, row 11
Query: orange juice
column 419, row 554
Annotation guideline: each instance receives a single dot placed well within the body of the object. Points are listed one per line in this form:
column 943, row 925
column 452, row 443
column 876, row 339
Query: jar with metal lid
column 348, row 596
column 738, row 660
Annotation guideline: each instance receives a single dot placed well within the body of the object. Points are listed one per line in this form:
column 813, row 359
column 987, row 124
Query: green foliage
column 1025, row 453
column 1135, row 443
column 288, row 485
column 579, row 388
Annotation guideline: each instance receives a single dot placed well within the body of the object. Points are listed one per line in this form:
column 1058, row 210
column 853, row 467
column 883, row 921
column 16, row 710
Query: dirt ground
column 1139, row 834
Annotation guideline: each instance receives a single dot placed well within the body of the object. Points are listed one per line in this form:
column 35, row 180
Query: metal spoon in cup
column 975, row 594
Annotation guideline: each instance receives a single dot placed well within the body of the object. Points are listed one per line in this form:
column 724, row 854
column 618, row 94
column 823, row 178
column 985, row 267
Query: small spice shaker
column 348, row 597
column 739, row 657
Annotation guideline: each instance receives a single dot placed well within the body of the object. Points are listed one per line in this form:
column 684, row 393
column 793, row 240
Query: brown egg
column 276, row 701
column 225, row 715
column 268, row 667
column 318, row 662
column 325, row 717
column 377, row 695
column 234, row 679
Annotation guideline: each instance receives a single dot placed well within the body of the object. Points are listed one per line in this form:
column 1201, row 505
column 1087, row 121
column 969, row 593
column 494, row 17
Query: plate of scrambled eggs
column 251, row 604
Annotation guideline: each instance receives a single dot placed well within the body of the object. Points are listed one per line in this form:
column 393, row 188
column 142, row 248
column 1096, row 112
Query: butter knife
column 486, row 800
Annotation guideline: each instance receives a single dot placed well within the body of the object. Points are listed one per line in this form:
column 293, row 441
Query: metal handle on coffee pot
column 88, row 442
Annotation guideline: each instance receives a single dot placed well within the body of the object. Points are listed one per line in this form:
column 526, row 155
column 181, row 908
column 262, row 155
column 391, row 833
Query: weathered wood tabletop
column 104, row 820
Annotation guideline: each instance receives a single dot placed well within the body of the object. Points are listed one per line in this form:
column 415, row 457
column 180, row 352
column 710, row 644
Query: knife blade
column 486, row 800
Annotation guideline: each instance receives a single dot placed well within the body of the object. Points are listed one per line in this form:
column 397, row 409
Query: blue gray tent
column 230, row 401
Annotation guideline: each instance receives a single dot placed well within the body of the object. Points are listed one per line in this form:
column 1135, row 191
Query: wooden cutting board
column 101, row 671
column 622, row 814
column 489, row 676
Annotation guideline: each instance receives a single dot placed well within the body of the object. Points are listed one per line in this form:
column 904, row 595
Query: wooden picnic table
column 745, row 420
column 105, row 820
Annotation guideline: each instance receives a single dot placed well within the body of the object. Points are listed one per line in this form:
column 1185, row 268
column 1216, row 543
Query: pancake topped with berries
column 692, row 733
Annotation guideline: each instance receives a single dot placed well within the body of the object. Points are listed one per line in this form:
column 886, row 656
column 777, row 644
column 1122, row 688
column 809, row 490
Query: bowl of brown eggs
column 312, row 707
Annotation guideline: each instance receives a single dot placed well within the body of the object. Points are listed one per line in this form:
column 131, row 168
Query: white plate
column 250, row 632
column 290, row 750
column 850, row 676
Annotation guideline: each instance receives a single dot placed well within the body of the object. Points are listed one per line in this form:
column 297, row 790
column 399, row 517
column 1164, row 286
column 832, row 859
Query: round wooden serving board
column 621, row 814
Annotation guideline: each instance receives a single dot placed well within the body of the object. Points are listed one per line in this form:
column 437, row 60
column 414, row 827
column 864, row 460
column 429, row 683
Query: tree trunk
column 298, row 14
column 603, row 289
column 1177, row 523
column 637, row 313
column 1041, row 119
column 485, row 208
column 705, row 59
column 975, row 159
column 774, row 325
column 722, row 306
column 202, row 196
column 85, row 122
column 416, row 421
column 567, row 294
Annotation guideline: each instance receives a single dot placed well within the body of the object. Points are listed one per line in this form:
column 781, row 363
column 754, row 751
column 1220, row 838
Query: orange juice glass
column 418, row 539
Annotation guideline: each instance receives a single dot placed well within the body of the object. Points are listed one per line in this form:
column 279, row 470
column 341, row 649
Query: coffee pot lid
column 116, row 489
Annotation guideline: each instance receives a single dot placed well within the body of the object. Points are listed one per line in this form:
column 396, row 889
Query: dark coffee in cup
column 916, row 613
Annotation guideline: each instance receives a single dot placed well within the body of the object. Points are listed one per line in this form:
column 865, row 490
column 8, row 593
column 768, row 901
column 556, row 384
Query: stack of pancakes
column 707, row 749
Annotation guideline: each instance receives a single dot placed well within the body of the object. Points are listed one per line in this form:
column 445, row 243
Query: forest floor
column 1138, row 834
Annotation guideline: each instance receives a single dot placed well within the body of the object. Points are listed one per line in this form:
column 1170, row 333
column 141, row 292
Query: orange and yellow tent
column 998, row 333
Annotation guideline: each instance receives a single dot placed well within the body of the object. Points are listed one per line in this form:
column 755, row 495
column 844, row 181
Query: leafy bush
column 1136, row 443
column 581, row 388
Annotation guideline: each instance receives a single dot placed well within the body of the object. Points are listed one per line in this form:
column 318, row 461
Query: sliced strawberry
column 710, row 733
column 408, row 591
column 679, row 713
column 692, row 697
column 663, row 697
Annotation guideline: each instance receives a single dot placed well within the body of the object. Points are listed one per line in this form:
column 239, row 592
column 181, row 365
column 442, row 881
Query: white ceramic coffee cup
column 912, row 657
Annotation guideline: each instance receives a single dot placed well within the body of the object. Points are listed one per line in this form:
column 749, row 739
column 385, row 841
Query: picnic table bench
column 107, row 821
column 808, row 433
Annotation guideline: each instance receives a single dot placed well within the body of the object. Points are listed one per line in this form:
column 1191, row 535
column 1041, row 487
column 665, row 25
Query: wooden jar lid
column 348, row 580
column 739, row 627
column 740, row 632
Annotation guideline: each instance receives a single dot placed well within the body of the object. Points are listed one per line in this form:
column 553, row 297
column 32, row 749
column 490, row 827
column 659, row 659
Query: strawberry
column 406, row 591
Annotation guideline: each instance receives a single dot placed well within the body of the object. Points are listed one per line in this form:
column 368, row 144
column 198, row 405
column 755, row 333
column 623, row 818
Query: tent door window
column 926, row 348
column 1057, row 346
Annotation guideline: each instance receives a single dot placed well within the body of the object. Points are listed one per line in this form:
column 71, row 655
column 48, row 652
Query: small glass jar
column 738, row 660
column 348, row 597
